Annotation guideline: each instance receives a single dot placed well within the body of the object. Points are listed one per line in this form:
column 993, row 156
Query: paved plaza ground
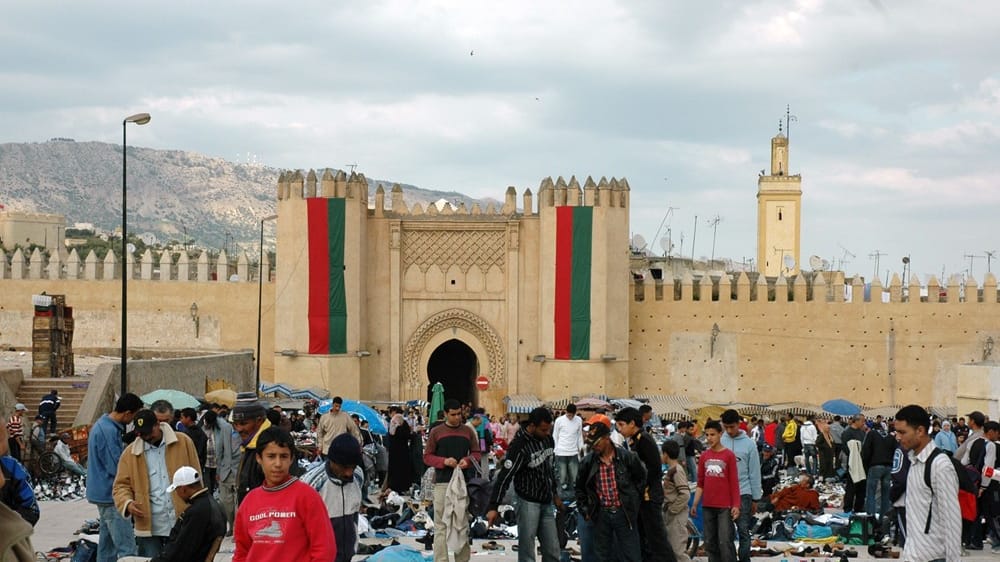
column 60, row 519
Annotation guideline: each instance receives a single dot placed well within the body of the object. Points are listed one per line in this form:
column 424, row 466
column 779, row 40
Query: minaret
column 779, row 211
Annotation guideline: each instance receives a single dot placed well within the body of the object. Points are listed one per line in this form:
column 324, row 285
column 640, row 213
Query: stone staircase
column 71, row 392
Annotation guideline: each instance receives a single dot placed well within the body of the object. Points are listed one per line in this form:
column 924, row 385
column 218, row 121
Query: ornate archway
column 456, row 324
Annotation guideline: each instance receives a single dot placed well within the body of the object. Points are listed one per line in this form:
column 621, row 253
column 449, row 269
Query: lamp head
column 138, row 118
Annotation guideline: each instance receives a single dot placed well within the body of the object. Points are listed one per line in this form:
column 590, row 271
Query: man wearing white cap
column 197, row 528
column 15, row 431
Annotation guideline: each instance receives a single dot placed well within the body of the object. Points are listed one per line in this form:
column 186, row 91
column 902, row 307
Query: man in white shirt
column 567, row 433
column 933, row 515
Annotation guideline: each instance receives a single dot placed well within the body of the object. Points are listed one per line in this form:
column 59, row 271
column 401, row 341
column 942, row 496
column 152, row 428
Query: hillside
column 171, row 193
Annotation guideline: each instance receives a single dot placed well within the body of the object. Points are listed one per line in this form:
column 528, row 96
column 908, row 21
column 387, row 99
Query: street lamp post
column 260, row 291
column 138, row 119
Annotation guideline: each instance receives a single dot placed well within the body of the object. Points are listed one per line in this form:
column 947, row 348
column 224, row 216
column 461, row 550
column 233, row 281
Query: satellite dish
column 826, row 265
column 815, row 262
column 638, row 242
column 665, row 245
column 131, row 248
column 789, row 261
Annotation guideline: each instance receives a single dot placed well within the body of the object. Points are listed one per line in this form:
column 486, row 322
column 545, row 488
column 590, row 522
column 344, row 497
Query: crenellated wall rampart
column 810, row 338
column 150, row 266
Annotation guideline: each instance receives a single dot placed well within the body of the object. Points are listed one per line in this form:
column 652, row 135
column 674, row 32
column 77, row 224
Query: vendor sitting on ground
column 800, row 496
column 62, row 450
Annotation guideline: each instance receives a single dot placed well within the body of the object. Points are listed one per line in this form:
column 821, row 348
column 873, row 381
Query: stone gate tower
column 779, row 209
column 380, row 301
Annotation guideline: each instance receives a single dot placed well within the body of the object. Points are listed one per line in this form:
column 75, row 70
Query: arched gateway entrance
column 455, row 346
column 455, row 366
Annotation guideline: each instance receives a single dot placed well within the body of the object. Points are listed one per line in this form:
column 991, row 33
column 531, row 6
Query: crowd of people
column 169, row 485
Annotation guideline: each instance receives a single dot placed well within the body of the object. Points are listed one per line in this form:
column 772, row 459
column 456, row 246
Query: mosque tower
column 779, row 214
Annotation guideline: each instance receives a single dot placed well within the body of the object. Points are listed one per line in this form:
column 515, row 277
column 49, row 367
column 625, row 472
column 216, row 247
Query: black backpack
column 968, row 486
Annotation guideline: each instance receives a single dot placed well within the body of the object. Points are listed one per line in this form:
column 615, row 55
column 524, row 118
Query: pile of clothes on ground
column 62, row 487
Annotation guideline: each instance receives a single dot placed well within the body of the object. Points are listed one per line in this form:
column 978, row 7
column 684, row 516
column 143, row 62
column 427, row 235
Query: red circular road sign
column 482, row 383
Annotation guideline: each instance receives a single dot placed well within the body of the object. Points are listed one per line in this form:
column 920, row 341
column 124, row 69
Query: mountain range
column 172, row 194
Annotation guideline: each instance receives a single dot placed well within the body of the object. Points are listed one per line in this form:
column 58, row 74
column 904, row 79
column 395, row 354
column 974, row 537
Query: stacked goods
column 52, row 337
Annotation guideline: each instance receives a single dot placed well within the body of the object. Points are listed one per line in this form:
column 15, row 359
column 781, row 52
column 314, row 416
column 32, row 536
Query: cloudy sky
column 897, row 103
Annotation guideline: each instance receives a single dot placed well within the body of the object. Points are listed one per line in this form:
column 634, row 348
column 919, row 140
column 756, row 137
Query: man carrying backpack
column 989, row 499
column 972, row 531
column 933, row 514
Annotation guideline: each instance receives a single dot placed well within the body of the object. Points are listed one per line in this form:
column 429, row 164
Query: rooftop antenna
column 843, row 259
column 875, row 256
column 714, row 223
column 351, row 166
column 972, row 258
column 693, row 238
column 990, row 254
column 788, row 123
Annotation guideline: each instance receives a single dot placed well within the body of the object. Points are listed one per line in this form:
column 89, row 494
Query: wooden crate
column 43, row 322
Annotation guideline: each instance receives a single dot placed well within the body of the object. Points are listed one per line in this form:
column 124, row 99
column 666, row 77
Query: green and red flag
column 327, row 299
column 574, row 243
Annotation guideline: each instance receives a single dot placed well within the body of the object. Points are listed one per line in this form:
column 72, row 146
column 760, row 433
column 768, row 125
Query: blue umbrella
column 177, row 398
column 841, row 407
column 366, row 412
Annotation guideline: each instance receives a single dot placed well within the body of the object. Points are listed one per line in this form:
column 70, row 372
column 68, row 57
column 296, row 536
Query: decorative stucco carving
column 445, row 248
column 455, row 318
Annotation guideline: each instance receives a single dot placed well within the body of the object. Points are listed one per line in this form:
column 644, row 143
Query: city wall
column 720, row 340
column 159, row 311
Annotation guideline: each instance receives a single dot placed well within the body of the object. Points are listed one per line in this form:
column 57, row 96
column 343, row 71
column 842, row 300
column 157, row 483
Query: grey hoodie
column 747, row 461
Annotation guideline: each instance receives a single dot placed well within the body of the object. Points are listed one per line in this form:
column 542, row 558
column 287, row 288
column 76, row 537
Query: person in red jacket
column 283, row 519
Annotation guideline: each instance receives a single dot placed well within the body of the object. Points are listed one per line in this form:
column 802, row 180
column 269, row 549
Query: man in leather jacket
column 609, row 488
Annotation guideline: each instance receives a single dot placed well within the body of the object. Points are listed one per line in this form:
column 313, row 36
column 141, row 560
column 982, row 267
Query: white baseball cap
column 185, row 475
column 20, row 407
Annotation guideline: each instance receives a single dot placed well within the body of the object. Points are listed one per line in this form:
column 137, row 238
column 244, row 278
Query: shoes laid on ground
column 492, row 545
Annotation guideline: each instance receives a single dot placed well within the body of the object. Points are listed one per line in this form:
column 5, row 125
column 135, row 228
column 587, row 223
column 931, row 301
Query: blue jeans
column 811, row 458
column 879, row 479
column 585, row 538
column 150, row 546
column 743, row 527
column 616, row 536
column 536, row 519
column 692, row 468
column 718, row 522
column 566, row 471
column 116, row 538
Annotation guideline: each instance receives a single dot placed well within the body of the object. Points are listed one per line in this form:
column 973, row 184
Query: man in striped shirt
column 933, row 516
column 15, row 431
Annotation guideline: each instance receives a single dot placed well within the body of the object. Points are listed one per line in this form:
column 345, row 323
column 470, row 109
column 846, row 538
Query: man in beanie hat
column 338, row 482
column 249, row 419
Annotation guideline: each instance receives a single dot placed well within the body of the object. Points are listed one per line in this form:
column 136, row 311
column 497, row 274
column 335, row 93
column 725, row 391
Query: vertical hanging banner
column 574, row 243
column 327, row 300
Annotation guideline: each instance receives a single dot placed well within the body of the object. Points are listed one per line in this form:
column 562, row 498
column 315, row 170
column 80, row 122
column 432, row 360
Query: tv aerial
column 815, row 262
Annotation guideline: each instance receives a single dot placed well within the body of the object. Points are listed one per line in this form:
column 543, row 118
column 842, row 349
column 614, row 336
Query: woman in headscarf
column 401, row 476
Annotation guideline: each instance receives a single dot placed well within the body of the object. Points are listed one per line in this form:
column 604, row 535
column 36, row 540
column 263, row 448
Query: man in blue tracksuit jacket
column 748, row 463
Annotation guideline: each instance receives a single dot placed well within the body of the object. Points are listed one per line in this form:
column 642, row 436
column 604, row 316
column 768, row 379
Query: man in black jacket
column 195, row 531
column 652, row 529
column 530, row 465
column 609, row 488
column 876, row 453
